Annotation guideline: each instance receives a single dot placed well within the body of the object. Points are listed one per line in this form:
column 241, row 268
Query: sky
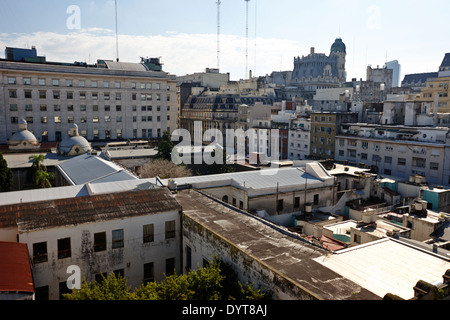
column 185, row 33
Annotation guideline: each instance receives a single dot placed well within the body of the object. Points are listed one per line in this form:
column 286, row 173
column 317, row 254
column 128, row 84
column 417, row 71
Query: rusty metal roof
column 15, row 269
column 79, row 210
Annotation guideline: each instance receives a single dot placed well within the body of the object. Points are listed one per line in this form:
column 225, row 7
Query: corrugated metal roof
column 15, row 269
column 87, row 168
column 74, row 211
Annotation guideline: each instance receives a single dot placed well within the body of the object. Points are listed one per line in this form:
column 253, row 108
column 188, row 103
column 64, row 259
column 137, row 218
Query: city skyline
column 185, row 36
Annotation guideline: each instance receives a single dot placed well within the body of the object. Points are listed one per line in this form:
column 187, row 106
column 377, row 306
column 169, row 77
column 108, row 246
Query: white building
column 398, row 151
column 136, row 234
column 108, row 100
column 299, row 139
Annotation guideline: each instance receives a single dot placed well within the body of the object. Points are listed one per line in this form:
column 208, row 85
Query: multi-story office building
column 109, row 100
column 396, row 150
column 324, row 128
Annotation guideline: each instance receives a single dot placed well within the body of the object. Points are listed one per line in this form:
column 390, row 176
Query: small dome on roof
column 338, row 46
column 74, row 144
column 23, row 139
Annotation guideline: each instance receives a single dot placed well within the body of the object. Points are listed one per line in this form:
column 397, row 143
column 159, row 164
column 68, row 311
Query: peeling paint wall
column 131, row 258
column 205, row 245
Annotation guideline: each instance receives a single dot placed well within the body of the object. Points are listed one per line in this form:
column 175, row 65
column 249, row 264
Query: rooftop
column 92, row 169
column 380, row 266
column 87, row 209
column 289, row 256
column 15, row 269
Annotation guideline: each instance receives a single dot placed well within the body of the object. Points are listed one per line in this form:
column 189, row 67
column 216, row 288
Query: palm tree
column 39, row 172
column 43, row 178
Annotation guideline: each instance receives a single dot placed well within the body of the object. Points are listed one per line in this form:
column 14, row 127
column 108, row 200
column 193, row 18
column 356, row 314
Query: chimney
column 312, row 50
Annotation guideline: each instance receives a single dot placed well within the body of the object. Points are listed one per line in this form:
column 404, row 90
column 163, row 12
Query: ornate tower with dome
column 320, row 71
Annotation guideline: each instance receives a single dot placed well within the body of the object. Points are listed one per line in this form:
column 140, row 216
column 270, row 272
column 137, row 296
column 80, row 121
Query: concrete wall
column 131, row 258
column 206, row 244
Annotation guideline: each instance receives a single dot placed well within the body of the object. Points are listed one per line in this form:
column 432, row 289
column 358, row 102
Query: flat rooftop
column 295, row 259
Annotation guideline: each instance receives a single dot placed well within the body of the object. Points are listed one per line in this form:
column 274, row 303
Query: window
column 118, row 108
column 64, row 250
column 12, row 93
column 434, row 166
column 107, row 118
column 99, row 241
column 188, row 258
column 106, row 96
column 56, row 95
column 57, row 119
column 316, row 199
column 13, row 107
column 44, row 120
column 149, row 233
column 118, row 85
column 94, row 84
column 388, row 160
column 170, row 229
column 117, row 239
column 40, row 252
column 28, row 107
column 42, row 94
column 41, row 82
column 149, row 273
column 69, row 83
column 14, row 120
column 11, row 80
column 297, row 203
column 55, row 83
column 401, row 162
column 280, row 205
column 364, row 156
column 170, row 266
column 63, row 289
column 105, row 84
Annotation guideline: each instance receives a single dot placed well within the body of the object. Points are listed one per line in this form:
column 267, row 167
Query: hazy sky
column 184, row 33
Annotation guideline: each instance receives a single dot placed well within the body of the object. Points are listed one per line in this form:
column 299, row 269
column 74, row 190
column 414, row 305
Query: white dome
column 23, row 139
column 74, row 144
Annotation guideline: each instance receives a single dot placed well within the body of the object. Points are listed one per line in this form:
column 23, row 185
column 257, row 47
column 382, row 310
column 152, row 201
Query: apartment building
column 324, row 128
column 135, row 234
column 395, row 150
column 109, row 100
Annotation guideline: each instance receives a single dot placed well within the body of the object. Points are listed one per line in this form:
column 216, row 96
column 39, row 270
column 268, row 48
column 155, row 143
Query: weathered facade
column 136, row 234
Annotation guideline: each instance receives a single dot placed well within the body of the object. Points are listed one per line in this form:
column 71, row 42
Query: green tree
column 165, row 147
column 6, row 176
column 43, row 179
column 112, row 288
column 39, row 173
column 209, row 283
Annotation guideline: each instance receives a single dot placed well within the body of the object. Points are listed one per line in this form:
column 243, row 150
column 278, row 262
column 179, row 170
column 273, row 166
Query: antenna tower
column 218, row 33
column 246, row 32
column 117, row 35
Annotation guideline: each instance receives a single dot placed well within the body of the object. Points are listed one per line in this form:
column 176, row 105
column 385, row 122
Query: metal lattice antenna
column 218, row 33
column 246, row 33
column 117, row 35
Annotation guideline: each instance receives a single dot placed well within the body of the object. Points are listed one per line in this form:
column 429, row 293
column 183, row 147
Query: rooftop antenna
column 117, row 35
column 218, row 33
column 246, row 33
column 256, row 24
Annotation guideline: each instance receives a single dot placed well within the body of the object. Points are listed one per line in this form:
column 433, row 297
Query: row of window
column 40, row 253
column 95, row 119
column 82, row 83
column 83, row 108
column 416, row 162
column 56, row 95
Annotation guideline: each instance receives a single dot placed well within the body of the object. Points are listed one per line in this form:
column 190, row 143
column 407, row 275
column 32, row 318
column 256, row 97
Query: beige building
column 108, row 100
